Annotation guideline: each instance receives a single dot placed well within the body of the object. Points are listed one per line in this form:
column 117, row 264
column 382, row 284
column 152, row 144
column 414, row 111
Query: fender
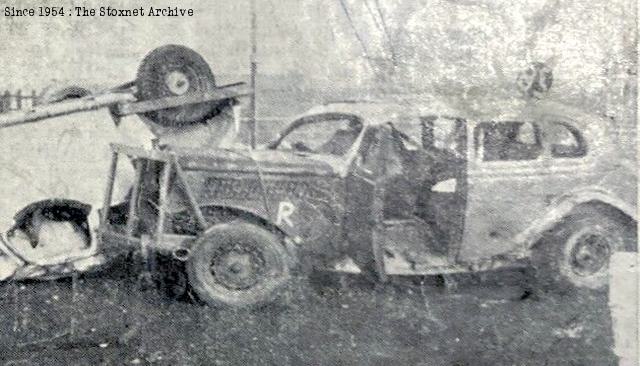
column 564, row 205
column 23, row 214
column 290, row 234
column 260, row 215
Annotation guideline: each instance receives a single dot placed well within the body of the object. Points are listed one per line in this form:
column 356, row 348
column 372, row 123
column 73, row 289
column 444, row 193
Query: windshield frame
column 315, row 118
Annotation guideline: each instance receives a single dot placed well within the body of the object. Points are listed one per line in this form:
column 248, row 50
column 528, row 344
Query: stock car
column 393, row 190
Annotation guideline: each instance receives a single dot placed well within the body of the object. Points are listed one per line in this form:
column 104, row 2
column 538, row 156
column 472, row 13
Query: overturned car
column 391, row 189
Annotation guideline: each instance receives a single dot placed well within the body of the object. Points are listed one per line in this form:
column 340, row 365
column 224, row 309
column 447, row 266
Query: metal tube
column 108, row 193
column 162, row 199
column 193, row 203
column 45, row 111
column 132, row 217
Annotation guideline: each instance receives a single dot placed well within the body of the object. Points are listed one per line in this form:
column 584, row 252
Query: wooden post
column 34, row 98
column 6, row 101
column 19, row 99
column 253, row 71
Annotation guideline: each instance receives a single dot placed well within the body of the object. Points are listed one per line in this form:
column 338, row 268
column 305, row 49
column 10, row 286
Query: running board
column 394, row 265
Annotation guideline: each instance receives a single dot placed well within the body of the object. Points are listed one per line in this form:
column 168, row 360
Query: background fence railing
column 13, row 101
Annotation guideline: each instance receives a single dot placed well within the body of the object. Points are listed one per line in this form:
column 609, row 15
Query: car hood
column 263, row 160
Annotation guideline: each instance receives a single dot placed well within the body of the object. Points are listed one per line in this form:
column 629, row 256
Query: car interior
column 425, row 185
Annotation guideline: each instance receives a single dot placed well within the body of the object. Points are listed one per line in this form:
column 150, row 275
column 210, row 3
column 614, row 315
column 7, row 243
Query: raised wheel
column 175, row 70
column 576, row 254
column 238, row 264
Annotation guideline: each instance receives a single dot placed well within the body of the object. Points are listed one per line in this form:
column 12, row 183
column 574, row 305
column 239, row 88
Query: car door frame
column 484, row 240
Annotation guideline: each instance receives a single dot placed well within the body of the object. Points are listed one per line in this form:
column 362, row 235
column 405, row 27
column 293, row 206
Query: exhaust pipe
column 181, row 254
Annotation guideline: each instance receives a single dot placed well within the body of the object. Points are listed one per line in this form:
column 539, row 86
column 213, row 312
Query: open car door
column 423, row 185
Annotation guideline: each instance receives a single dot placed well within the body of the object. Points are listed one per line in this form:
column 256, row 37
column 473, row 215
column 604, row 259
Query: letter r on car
column 285, row 210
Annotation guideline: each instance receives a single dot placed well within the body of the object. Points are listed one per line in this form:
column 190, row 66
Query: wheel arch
column 602, row 202
column 250, row 215
column 22, row 216
column 261, row 219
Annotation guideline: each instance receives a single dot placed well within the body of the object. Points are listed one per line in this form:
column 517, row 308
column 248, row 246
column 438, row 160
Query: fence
column 16, row 101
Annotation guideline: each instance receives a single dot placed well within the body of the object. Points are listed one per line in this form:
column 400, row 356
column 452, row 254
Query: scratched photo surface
column 318, row 182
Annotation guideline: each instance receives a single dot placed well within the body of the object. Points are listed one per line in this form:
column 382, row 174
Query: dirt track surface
column 116, row 321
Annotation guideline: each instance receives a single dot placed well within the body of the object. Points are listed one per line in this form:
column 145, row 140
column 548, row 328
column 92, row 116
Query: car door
column 439, row 168
column 506, row 181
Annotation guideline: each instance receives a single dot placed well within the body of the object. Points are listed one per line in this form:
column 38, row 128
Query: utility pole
column 253, row 69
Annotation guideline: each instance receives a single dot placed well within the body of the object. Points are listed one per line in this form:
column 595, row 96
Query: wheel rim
column 177, row 82
column 238, row 267
column 590, row 254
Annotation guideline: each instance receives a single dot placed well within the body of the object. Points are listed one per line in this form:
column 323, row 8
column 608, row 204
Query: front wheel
column 576, row 255
column 238, row 264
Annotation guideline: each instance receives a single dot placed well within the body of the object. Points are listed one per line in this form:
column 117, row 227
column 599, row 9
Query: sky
column 434, row 46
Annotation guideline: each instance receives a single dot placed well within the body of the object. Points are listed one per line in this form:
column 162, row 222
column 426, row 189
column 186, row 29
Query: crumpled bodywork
column 59, row 160
column 62, row 158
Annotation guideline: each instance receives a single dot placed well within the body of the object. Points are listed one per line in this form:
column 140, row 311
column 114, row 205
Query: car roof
column 376, row 112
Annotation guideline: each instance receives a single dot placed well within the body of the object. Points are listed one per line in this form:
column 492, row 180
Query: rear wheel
column 576, row 254
column 238, row 264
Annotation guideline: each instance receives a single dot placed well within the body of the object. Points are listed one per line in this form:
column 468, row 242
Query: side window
column 565, row 141
column 434, row 132
column 508, row 141
column 443, row 133
column 381, row 153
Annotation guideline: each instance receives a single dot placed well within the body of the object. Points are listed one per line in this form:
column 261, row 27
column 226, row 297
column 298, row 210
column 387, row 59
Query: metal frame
column 230, row 91
column 121, row 102
column 159, row 239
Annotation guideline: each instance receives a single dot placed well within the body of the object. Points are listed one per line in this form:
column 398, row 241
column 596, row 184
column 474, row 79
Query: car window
column 432, row 131
column 565, row 141
column 507, row 141
column 331, row 136
column 446, row 134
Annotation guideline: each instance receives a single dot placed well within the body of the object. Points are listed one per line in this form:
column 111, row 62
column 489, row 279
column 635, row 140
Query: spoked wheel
column 175, row 70
column 238, row 264
column 576, row 255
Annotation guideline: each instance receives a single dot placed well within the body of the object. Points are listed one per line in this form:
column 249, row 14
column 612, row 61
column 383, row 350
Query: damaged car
column 55, row 157
column 388, row 190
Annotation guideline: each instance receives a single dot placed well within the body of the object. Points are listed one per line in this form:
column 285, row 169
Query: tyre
column 576, row 254
column 174, row 70
column 238, row 264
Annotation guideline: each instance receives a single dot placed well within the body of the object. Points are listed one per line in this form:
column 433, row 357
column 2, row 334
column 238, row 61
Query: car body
column 392, row 189
column 414, row 191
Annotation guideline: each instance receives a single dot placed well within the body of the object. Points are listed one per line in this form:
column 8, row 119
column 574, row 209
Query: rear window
column 565, row 141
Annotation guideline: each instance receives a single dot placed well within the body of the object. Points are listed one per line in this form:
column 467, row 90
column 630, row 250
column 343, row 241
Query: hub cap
column 237, row 267
column 177, row 82
column 590, row 254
